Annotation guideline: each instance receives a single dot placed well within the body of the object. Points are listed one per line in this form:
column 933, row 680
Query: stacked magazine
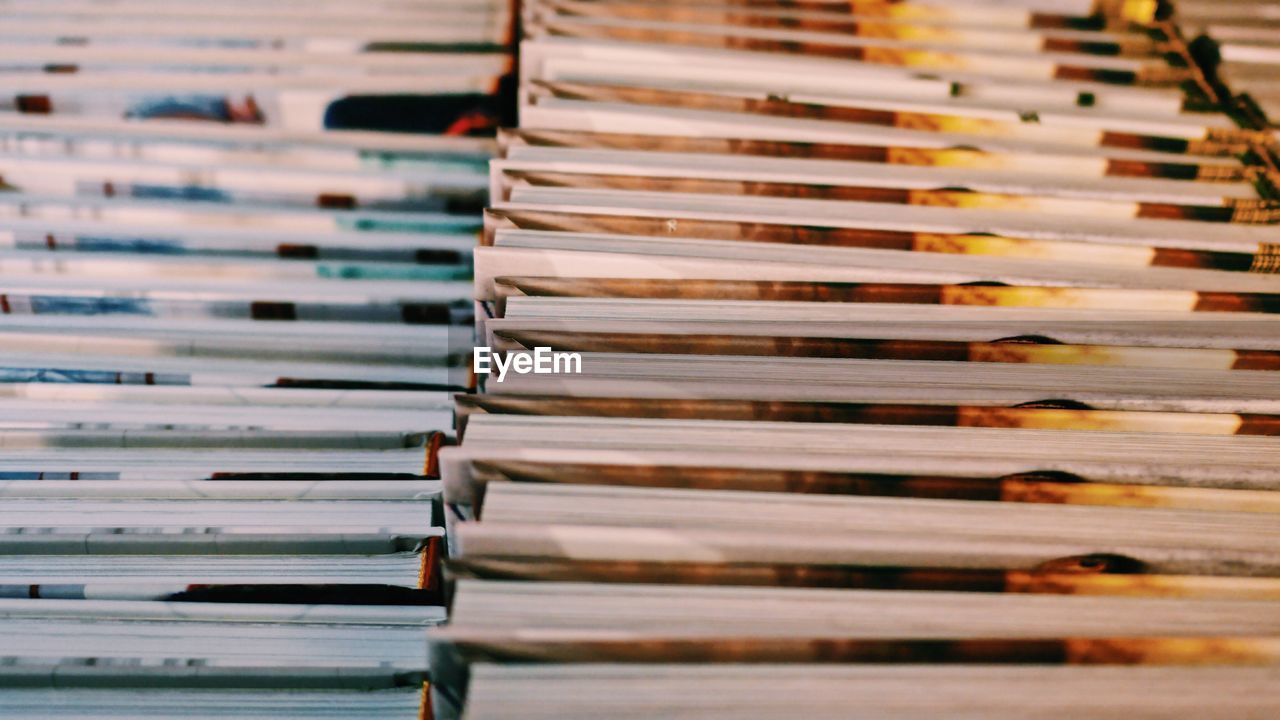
column 919, row 361
column 235, row 301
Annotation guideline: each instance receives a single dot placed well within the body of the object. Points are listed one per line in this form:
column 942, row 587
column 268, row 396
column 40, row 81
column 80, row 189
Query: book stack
column 235, row 301
column 919, row 361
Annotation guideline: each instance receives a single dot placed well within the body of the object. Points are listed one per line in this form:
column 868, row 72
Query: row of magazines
column 906, row 359
column 920, row 363
column 235, row 302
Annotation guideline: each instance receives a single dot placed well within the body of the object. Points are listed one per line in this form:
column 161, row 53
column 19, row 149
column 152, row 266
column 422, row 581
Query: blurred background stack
column 235, row 263
column 1238, row 41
